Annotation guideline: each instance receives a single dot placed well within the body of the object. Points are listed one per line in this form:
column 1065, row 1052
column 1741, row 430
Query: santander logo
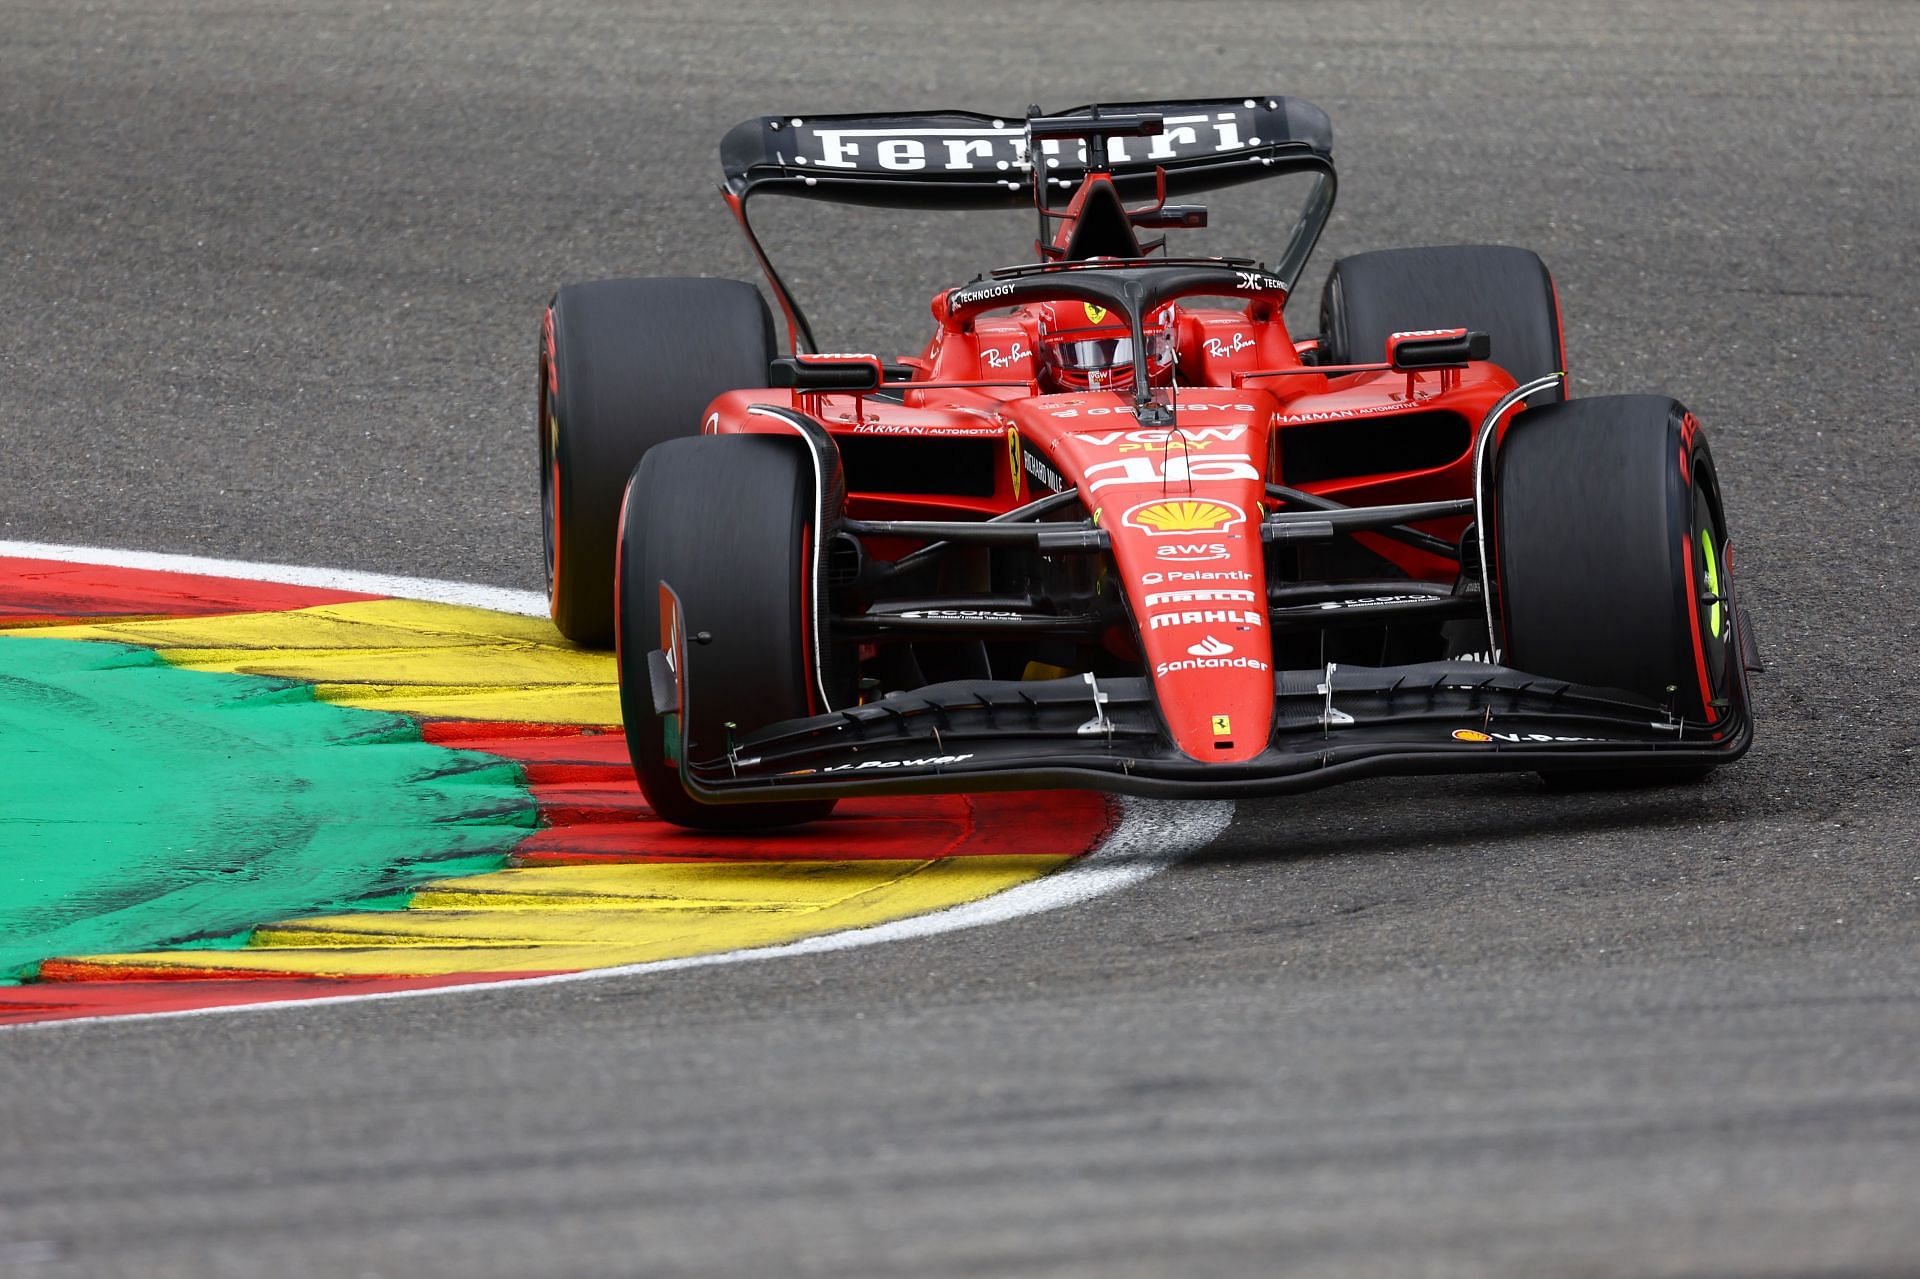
column 1209, row 647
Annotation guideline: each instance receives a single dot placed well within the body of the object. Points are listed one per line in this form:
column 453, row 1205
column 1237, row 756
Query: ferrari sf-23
column 1114, row 526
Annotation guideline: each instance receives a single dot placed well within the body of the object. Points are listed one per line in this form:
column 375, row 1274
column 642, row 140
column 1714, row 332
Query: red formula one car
column 1114, row 526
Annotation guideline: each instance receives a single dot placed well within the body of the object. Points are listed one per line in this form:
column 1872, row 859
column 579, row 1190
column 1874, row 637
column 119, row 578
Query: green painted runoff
column 142, row 805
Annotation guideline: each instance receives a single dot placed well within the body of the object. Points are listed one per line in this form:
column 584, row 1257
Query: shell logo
column 1184, row 516
column 1470, row 735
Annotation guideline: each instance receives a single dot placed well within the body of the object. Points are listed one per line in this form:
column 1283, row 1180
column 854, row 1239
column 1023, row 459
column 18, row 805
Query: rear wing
column 960, row 159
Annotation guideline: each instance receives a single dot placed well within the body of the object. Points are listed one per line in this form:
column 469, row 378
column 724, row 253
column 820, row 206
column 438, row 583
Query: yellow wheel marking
column 1713, row 579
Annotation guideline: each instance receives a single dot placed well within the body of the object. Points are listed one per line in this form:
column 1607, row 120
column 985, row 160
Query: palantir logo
column 1209, row 647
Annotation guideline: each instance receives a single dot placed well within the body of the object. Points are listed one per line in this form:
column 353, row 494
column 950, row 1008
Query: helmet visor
column 1086, row 354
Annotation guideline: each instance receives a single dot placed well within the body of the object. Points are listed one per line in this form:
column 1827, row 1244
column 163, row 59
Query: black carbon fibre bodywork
column 1331, row 725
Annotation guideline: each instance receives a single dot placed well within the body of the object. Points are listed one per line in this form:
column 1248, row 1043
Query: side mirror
column 1185, row 217
column 850, row 374
column 1435, row 349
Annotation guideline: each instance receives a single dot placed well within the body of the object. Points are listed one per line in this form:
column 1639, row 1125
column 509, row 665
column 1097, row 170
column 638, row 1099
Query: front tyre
column 729, row 521
column 1612, row 564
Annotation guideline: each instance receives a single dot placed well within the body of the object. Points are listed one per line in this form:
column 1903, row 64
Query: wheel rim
column 1711, row 590
column 549, row 425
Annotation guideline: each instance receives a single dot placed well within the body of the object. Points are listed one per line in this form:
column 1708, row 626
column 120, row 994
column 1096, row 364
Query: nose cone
column 1197, row 583
column 1182, row 507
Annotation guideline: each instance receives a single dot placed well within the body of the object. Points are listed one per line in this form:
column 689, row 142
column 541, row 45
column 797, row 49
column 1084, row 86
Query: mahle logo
column 1162, row 518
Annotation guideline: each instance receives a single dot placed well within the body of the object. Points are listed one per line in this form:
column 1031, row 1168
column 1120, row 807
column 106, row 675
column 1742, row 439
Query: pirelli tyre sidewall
column 625, row 365
column 729, row 522
column 1612, row 556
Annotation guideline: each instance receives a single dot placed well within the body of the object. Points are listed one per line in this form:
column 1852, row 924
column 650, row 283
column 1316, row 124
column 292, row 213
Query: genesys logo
column 929, row 761
column 1167, row 517
column 1070, row 409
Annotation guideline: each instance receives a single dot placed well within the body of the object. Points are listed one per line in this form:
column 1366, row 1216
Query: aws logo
column 1191, row 552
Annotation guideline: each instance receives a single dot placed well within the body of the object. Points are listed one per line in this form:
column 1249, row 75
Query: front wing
column 1331, row 725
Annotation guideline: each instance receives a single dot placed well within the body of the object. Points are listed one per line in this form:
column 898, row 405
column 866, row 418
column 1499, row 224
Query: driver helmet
column 1086, row 347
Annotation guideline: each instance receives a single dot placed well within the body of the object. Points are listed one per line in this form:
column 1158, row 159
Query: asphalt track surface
column 271, row 275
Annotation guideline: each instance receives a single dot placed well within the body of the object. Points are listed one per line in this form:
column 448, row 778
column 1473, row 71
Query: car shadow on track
column 1437, row 815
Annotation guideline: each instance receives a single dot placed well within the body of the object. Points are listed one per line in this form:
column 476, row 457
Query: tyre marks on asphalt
column 599, row 883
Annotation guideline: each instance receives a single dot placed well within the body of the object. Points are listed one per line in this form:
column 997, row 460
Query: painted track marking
column 1147, row 837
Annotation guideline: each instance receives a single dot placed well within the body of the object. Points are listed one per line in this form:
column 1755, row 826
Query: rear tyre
column 624, row 365
column 1611, row 556
column 1503, row 292
column 729, row 522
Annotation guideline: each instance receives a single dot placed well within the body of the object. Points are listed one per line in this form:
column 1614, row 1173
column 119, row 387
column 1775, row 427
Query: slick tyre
column 625, row 365
column 1503, row 292
column 1612, row 559
column 730, row 522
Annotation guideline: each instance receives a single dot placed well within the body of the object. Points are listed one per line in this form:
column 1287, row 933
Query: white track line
column 500, row 599
column 1150, row 835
